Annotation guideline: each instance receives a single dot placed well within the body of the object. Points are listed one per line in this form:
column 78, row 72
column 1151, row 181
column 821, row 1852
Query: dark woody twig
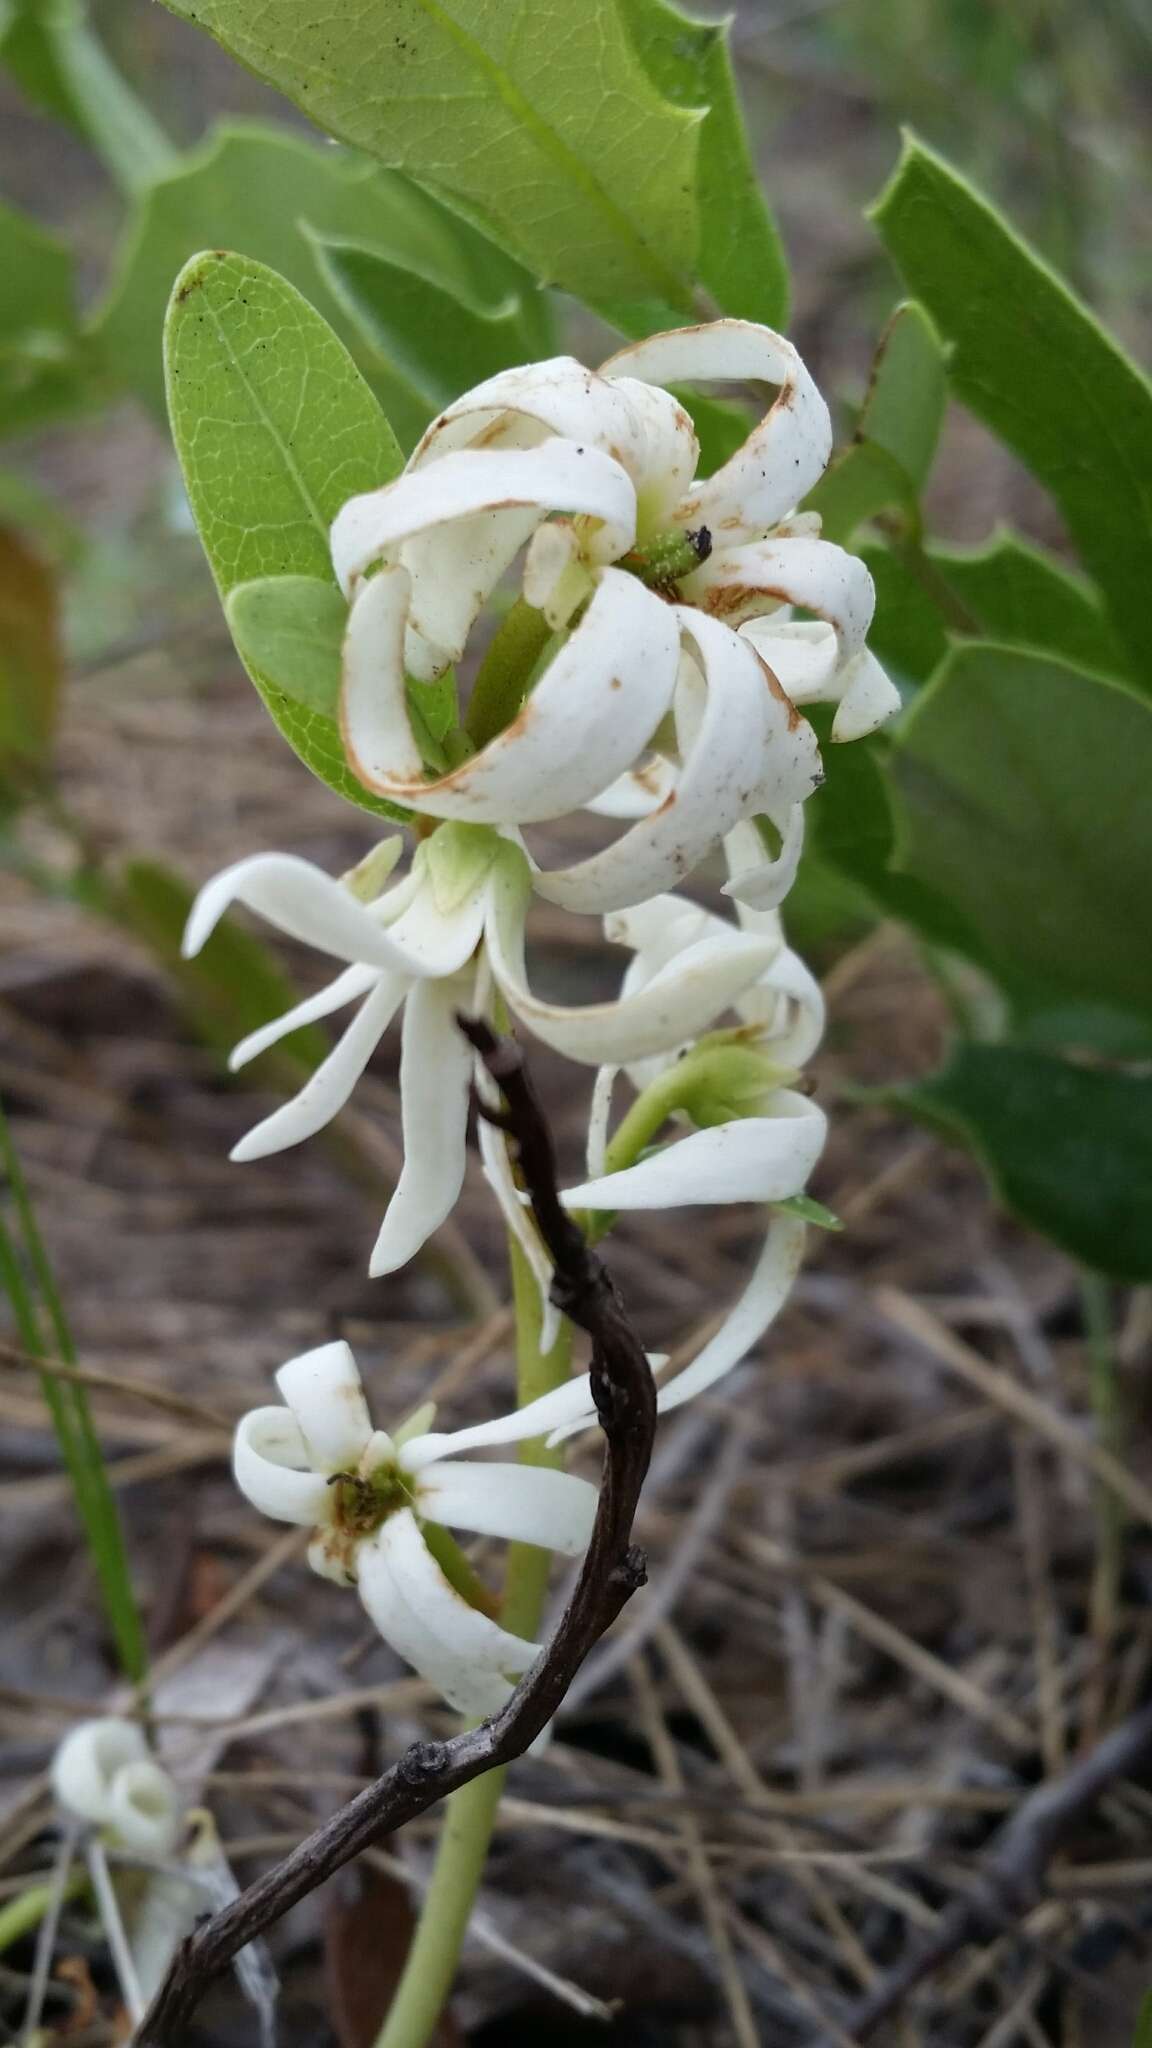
column 613, row 1569
column 1011, row 1881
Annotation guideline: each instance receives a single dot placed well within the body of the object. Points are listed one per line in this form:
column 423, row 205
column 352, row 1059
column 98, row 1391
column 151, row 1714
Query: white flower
column 434, row 944
column 653, row 709
column 764, row 1157
column 104, row 1773
column 318, row 1462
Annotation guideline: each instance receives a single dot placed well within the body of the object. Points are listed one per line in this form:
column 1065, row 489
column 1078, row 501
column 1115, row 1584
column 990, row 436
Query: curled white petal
column 301, row 901
column 521, row 1503
column 782, row 457
column 758, row 1306
column 374, row 721
column 592, row 712
column 327, row 1090
column 144, row 1809
column 87, row 1761
column 271, row 1467
column 323, row 1389
column 816, row 574
column 684, row 999
column 869, row 699
column 751, row 751
column 560, row 476
column 637, row 793
column 753, row 1159
column 435, row 1076
column 537, row 1418
column 469, row 1658
column 556, row 397
column 353, row 982
column 767, row 883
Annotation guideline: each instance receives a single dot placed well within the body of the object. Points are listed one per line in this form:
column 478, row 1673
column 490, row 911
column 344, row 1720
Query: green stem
column 471, row 1813
column 505, row 673
column 121, row 129
column 25, row 1912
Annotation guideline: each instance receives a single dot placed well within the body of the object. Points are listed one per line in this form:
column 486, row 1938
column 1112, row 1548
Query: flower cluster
column 650, row 671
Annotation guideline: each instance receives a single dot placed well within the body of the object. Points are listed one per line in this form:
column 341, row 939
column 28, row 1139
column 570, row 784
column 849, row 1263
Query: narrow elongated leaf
column 535, row 117
column 28, row 1279
column 1068, row 1147
column 263, row 191
column 887, row 461
column 275, row 428
column 741, row 260
column 1032, row 362
column 1023, row 791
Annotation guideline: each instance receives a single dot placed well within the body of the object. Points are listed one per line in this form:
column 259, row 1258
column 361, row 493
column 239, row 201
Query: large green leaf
column 262, row 191
column 274, row 428
column 1034, row 364
column 740, row 260
column 1068, row 1147
column 536, row 118
column 1023, row 786
column 886, row 464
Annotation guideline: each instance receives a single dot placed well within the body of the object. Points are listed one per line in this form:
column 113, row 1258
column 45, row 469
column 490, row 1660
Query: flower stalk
column 470, row 1813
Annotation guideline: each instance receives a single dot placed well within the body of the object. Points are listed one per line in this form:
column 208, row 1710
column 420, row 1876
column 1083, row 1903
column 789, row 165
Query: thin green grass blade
column 44, row 1333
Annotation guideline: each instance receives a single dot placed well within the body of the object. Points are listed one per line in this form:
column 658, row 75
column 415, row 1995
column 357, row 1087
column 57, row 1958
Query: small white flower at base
column 654, row 709
column 433, row 944
column 319, row 1463
column 103, row 1773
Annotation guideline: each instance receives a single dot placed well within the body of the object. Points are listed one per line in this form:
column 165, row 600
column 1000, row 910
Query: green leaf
column 908, row 633
column 853, row 831
column 232, row 986
column 1023, row 786
column 261, row 190
column 1006, row 590
column 31, row 670
column 537, row 121
column 810, row 1211
column 292, row 628
column 1067, row 1147
column 1031, row 361
column 741, row 260
column 887, row 462
column 1143, row 2035
column 275, row 429
column 1015, row 592
column 434, row 343
column 43, row 372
